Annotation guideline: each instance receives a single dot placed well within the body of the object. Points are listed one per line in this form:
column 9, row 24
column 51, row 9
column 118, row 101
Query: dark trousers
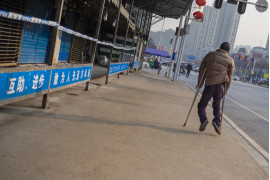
column 216, row 91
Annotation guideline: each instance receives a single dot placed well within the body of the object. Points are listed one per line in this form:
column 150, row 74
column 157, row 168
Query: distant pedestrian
column 189, row 67
column 159, row 68
column 182, row 69
column 219, row 69
column 156, row 64
column 174, row 67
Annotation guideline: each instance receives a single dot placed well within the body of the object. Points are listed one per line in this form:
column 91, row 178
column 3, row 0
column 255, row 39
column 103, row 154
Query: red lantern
column 200, row 3
column 198, row 15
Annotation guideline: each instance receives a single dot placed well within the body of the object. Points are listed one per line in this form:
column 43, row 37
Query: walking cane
column 223, row 101
column 195, row 97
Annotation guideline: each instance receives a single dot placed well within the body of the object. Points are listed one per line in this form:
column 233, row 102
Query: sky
column 253, row 28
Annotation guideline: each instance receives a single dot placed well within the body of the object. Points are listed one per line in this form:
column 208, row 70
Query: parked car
column 263, row 82
column 165, row 63
column 184, row 65
column 236, row 78
column 246, row 78
column 103, row 60
column 145, row 59
column 196, row 69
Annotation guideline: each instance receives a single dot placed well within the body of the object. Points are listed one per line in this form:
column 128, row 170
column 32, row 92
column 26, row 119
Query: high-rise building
column 267, row 45
column 219, row 25
column 191, row 40
column 247, row 47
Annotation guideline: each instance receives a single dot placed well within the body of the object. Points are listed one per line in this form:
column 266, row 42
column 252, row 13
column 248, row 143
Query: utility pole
column 180, row 53
column 175, row 45
column 254, row 64
column 171, row 42
column 160, row 38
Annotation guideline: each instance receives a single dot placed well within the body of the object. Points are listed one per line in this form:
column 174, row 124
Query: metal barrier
column 25, row 82
column 20, row 17
column 118, row 67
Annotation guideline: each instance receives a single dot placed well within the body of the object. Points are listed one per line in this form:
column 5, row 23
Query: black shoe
column 203, row 125
column 216, row 127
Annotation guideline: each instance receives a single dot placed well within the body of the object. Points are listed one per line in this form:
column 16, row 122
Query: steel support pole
column 146, row 17
column 141, row 21
column 149, row 25
column 96, row 36
column 256, row 4
column 114, row 40
column 53, row 52
column 131, row 6
column 135, row 31
column 175, row 46
column 144, row 45
column 179, row 56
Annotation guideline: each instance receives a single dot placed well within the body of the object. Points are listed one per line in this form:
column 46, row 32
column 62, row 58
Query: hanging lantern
column 200, row 3
column 198, row 15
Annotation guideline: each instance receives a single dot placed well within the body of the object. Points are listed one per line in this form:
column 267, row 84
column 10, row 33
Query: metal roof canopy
column 165, row 8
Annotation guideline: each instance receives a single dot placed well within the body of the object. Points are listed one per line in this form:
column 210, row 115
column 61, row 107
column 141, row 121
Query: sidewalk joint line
column 153, row 77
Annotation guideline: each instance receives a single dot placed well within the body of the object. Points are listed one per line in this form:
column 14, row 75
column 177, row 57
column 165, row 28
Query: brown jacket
column 219, row 68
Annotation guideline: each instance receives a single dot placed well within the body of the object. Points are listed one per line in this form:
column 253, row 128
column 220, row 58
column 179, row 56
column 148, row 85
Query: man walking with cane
column 216, row 70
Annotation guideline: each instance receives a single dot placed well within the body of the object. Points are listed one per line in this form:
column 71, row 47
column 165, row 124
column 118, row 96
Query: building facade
column 192, row 40
column 219, row 25
column 260, row 58
column 49, row 45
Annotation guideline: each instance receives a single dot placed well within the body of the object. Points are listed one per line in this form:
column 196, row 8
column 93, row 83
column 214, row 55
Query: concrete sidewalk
column 128, row 129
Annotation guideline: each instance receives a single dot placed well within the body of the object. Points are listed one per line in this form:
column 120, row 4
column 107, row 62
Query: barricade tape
column 20, row 17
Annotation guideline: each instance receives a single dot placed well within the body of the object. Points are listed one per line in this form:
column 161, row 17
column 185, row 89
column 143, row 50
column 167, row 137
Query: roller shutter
column 36, row 37
column 10, row 33
column 78, row 44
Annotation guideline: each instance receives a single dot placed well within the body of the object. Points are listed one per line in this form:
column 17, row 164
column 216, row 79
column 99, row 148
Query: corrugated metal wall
column 68, row 20
column 65, row 47
column 78, row 43
column 10, row 33
column 36, row 37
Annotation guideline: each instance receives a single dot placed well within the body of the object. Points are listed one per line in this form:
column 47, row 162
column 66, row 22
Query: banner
column 136, row 64
column 17, row 84
column 67, row 76
column 118, row 67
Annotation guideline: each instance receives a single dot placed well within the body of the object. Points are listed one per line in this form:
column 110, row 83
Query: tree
column 151, row 43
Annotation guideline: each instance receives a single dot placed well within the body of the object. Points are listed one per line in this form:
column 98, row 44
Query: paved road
column 247, row 105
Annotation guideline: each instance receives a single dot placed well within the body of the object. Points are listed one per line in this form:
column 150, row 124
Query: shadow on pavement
column 88, row 119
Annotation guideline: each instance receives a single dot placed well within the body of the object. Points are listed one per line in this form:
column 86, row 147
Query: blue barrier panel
column 67, row 76
column 190, row 57
column 118, row 67
column 16, row 84
column 136, row 64
column 114, row 68
column 173, row 56
column 125, row 66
